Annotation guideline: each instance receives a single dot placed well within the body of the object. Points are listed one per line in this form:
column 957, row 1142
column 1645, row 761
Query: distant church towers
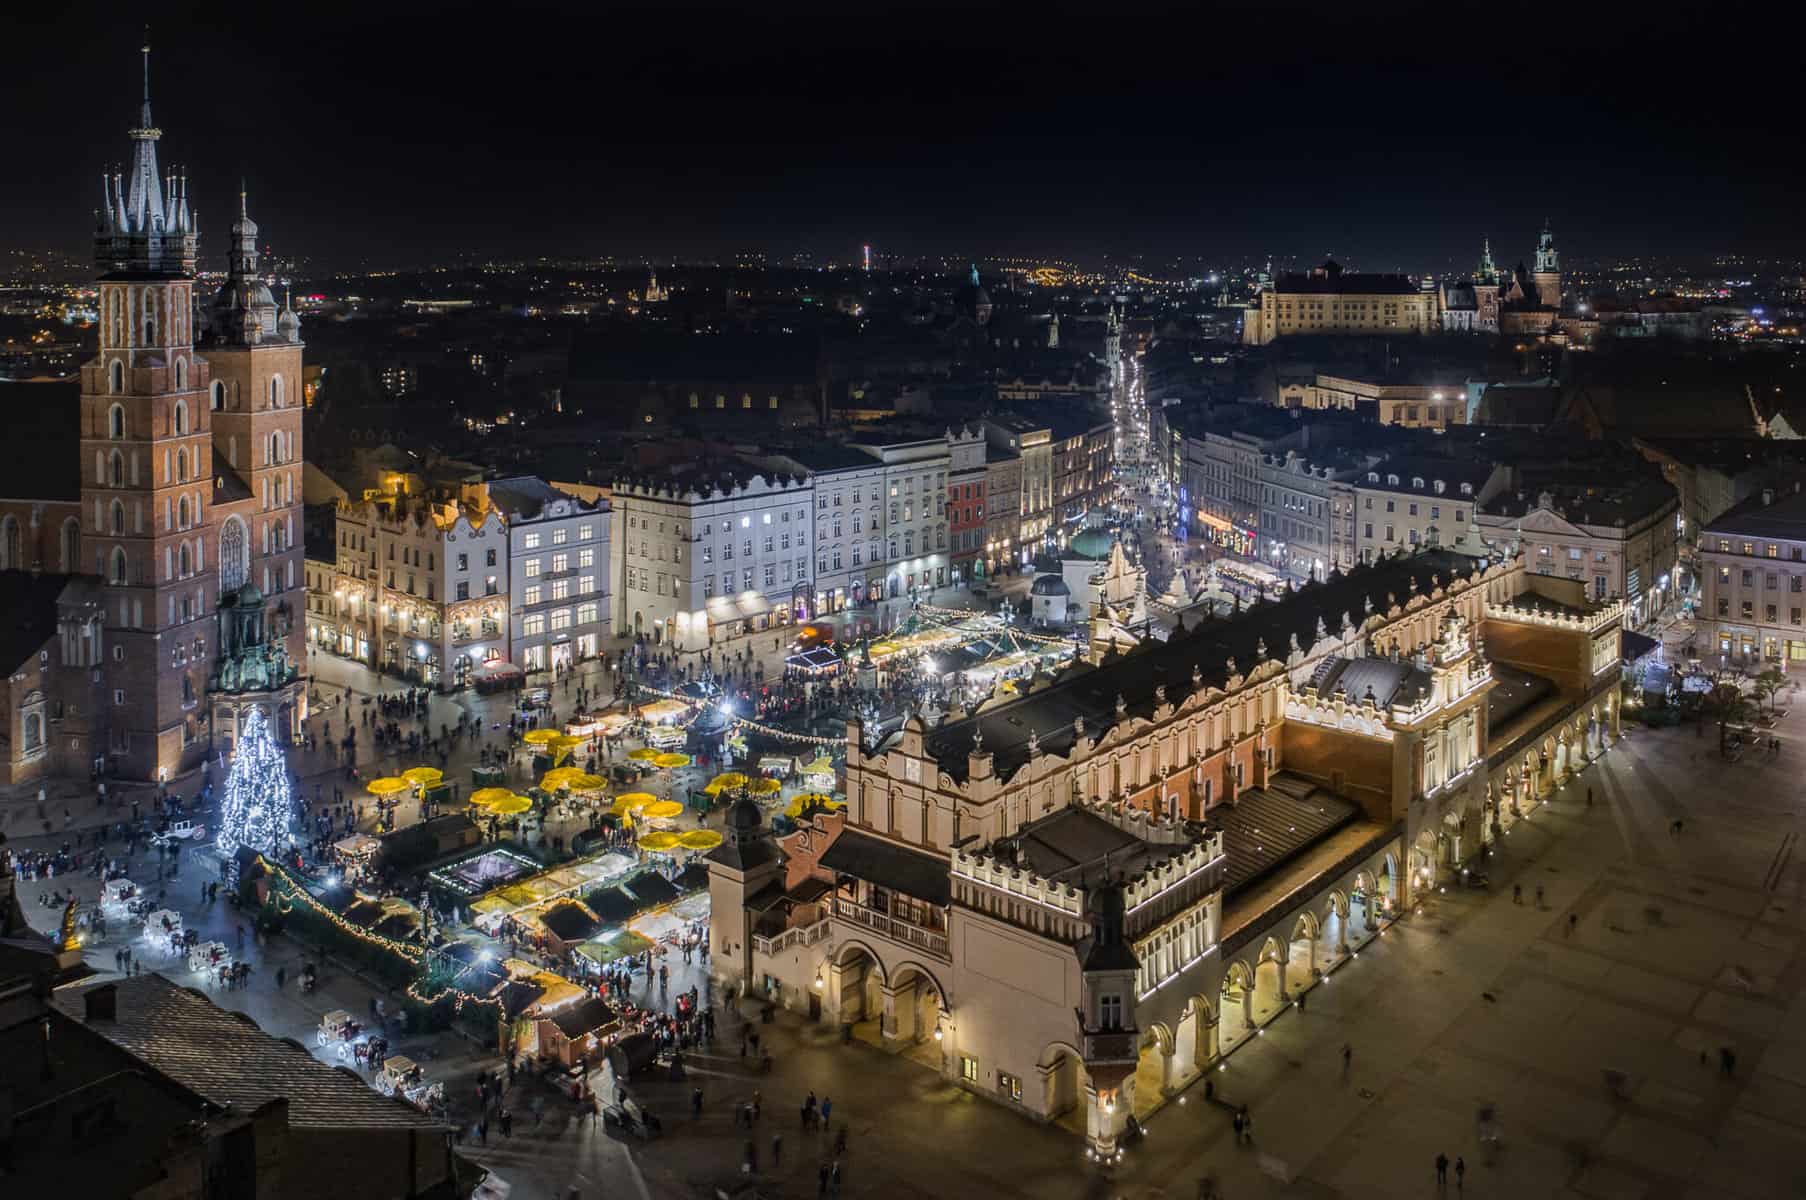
column 1547, row 275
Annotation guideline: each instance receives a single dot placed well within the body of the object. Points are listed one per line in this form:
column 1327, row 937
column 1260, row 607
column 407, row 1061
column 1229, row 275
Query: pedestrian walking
column 1517, row 893
column 1573, row 920
column 777, row 1149
column 821, row 1181
column 827, row 1110
column 696, row 1104
column 834, row 1178
column 1539, row 897
column 1442, row 1170
column 1347, row 1057
column 1235, row 1123
column 1589, row 797
column 1460, row 1172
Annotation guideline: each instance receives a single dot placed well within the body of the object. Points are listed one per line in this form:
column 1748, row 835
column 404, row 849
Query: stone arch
column 1236, row 1003
column 1063, row 1079
column 916, row 1012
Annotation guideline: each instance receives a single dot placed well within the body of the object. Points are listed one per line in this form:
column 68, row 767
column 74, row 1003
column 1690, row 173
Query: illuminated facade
column 1077, row 900
column 1328, row 300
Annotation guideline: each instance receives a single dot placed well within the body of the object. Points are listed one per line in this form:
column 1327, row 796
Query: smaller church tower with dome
column 255, row 402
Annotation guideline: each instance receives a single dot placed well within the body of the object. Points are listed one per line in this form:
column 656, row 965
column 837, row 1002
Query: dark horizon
column 1395, row 141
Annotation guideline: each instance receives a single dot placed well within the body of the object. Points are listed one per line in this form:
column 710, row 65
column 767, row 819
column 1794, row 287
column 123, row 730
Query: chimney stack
column 101, row 1003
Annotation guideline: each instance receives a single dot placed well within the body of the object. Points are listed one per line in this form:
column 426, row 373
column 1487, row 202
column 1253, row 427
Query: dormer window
column 1417, row 481
column 1467, row 489
column 1392, row 479
column 1440, row 487
column 1373, row 477
column 1109, row 1011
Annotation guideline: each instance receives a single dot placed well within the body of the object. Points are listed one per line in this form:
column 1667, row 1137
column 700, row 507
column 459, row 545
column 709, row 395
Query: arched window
column 182, row 465
column 72, row 543
column 116, row 422
column 233, row 562
column 181, row 372
column 116, row 570
column 118, row 517
column 182, row 513
column 150, row 330
column 116, row 377
column 275, row 391
column 34, row 732
column 116, row 469
column 181, row 416
column 10, row 548
column 187, row 562
column 216, row 395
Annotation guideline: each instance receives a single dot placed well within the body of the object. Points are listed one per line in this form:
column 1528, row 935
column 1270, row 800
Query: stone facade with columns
column 1076, row 900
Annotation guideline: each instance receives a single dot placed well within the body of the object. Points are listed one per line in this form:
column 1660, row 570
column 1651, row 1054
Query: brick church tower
column 255, row 404
column 190, row 480
column 147, row 471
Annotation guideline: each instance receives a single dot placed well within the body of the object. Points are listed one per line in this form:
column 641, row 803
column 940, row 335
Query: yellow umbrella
column 668, row 761
column 728, row 779
column 558, row 777
column 800, row 804
column 659, row 842
column 587, row 783
column 489, row 795
column 540, row 737
column 664, row 809
column 699, row 839
column 424, row 776
column 387, row 786
column 563, row 744
column 764, row 787
column 643, row 754
column 634, row 801
column 510, row 805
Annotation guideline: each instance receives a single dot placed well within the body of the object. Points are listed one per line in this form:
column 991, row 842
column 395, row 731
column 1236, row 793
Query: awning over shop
column 752, row 604
column 495, row 669
column 721, row 608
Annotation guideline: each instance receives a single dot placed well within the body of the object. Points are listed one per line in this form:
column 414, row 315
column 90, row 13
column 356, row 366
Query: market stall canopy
column 663, row 711
column 659, row 843
column 664, row 810
column 628, row 802
column 540, row 737
column 559, row 778
column 823, row 765
column 358, row 845
column 668, row 761
column 817, row 660
column 726, row 780
column 424, row 776
column 811, row 800
column 563, row 744
column 765, row 787
column 587, row 783
column 387, row 786
column 642, row 754
column 700, row 839
column 490, row 795
column 511, row 806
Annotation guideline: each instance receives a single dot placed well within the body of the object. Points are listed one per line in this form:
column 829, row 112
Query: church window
column 118, row 517
column 116, row 469
column 116, row 570
column 275, row 391
column 181, row 372
column 216, row 395
column 150, row 331
column 116, row 377
column 180, row 418
column 116, row 420
column 232, row 563
column 187, row 562
column 182, row 467
column 182, row 513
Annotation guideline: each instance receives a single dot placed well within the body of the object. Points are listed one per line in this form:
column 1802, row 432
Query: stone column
column 900, row 1013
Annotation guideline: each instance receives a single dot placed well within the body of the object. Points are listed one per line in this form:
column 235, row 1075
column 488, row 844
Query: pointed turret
column 147, row 230
column 244, row 311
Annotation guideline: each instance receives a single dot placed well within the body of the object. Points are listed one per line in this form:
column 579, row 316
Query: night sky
column 1392, row 136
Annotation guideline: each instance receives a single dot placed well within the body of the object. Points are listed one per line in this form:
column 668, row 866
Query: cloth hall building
column 1076, row 900
column 182, row 498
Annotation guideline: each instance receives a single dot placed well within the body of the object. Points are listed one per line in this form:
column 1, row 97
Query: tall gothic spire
column 144, row 205
column 146, row 225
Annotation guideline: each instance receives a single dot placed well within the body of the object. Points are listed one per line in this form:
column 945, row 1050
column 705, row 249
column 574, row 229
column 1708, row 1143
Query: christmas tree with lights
column 258, row 802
